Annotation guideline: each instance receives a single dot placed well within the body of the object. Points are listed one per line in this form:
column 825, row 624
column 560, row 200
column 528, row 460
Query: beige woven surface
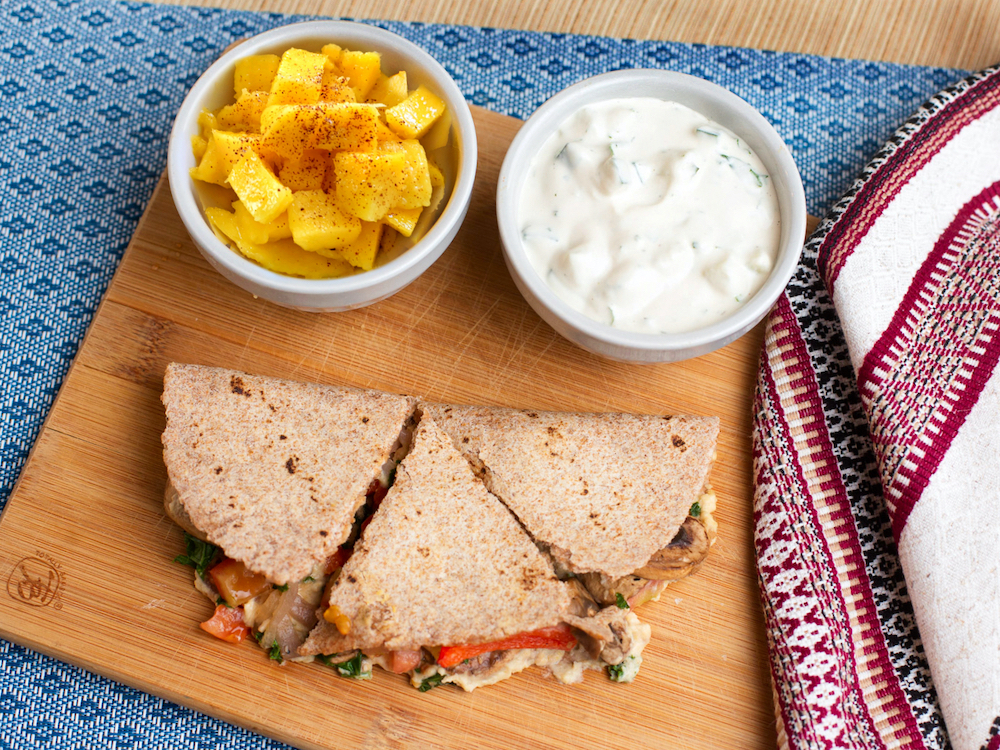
column 954, row 33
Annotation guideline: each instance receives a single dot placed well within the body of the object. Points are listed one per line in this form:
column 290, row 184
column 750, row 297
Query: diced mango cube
column 403, row 220
column 260, row 191
column 362, row 70
column 368, row 184
column 244, row 114
column 231, row 147
column 211, row 168
column 299, row 78
column 385, row 135
column 437, row 176
column 198, row 146
column 333, row 53
column 281, row 256
column 307, row 173
column 255, row 73
column 287, row 129
column 284, row 256
column 207, row 122
column 253, row 231
column 415, row 181
column 389, row 90
column 414, row 116
column 439, row 133
column 224, row 224
column 362, row 251
column 318, row 224
column 345, row 127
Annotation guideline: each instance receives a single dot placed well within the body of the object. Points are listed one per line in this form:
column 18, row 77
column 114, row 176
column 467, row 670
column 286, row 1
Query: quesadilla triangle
column 620, row 500
column 267, row 477
column 446, row 586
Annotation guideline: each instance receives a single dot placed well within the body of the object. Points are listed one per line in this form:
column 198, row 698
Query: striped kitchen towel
column 905, row 428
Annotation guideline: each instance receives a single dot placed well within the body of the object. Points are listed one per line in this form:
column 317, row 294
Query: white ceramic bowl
column 215, row 89
column 717, row 104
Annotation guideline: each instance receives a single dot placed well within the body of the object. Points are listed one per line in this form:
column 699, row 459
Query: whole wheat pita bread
column 272, row 470
column 442, row 562
column 603, row 491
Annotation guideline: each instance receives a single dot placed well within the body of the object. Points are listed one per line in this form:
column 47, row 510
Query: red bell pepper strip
column 558, row 637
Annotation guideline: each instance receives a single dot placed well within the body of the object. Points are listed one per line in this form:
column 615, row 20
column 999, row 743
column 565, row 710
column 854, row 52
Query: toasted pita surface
column 272, row 470
column 603, row 491
column 442, row 562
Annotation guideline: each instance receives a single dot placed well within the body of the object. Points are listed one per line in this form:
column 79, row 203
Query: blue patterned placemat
column 90, row 89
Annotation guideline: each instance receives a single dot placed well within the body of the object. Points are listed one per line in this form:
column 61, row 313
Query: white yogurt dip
column 646, row 215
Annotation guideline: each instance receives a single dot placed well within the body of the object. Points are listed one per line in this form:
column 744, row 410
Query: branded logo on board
column 36, row 581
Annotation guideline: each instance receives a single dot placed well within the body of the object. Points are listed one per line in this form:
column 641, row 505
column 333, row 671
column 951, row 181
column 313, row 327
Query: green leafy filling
column 353, row 667
column 275, row 652
column 620, row 601
column 695, row 510
column 199, row 554
column 431, row 682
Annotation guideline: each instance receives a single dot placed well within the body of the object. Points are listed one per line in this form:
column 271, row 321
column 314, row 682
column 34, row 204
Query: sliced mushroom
column 686, row 551
column 604, row 635
column 582, row 604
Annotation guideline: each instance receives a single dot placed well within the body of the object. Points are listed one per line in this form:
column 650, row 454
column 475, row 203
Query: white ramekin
column 214, row 89
column 717, row 104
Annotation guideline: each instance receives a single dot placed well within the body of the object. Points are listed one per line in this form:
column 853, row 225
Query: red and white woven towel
column 877, row 449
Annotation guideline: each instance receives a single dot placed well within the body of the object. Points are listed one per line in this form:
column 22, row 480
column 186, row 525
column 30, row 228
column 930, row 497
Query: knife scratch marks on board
column 246, row 345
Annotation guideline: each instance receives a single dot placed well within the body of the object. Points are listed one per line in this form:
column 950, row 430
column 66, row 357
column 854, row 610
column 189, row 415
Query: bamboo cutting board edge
column 125, row 302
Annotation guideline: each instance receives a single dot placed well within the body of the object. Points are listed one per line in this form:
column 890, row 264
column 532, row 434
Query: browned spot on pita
column 292, row 464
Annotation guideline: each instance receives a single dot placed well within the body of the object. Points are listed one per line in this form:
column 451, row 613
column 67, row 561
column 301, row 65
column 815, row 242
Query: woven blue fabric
column 90, row 89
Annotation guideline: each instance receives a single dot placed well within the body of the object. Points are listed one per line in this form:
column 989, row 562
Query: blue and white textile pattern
column 89, row 91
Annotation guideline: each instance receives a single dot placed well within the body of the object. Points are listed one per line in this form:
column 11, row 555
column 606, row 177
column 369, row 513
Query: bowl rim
column 544, row 121
column 340, row 32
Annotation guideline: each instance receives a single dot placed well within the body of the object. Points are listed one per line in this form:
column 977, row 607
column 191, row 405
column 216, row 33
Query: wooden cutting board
column 86, row 551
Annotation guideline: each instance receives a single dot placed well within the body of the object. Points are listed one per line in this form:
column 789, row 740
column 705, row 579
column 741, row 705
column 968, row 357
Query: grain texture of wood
column 949, row 33
column 86, row 551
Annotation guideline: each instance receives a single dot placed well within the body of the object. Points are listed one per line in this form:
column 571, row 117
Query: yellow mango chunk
column 282, row 256
column 307, row 173
column 414, row 183
column 255, row 73
column 362, row 70
column 403, row 220
column 224, row 225
column 333, row 53
column 361, row 253
column 231, row 147
column 439, row 133
column 414, row 116
column 244, row 114
column 345, row 127
column 260, row 191
column 368, row 184
column 318, row 224
column 198, row 146
column 437, row 176
column 210, row 168
column 335, row 87
column 253, row 231
column 287, row 130
column 299, row 78
column 207, row 123
column 385, row 135
column 389, row 90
